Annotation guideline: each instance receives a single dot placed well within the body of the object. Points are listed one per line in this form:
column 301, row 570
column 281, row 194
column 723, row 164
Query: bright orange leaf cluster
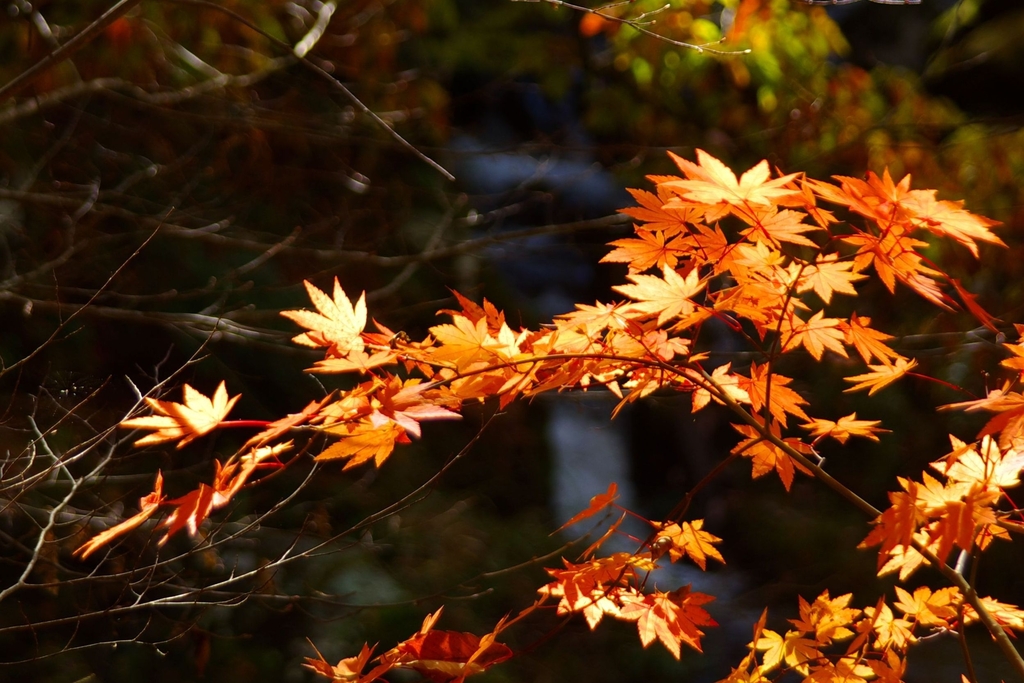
column 832, row 642
column 758, row 253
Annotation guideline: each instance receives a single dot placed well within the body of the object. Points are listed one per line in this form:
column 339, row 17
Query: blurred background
column 166, row 189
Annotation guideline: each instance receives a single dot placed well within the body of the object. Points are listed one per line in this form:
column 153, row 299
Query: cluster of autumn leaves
column 757, row 253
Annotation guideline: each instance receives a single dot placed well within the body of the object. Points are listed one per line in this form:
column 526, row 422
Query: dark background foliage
column 164, row 192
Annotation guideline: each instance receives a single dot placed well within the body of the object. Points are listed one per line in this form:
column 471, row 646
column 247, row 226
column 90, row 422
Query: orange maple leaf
column 828, row 275
column 1009, row 616
column 362, row 441
column 194, row 507
column 766, row 456
column 672, row 618
column 774, row 226
column 897, row 524
column 687, row 540
column 867, row 341
column 338, row 325
column 951, row 220
column 147, row 506
column 647, row 250
column 670, row 220
column 199, row 415
column 348, row 669
column 597, row 504
column 827, row 617
column 407, row 404
column 718, row 184
column 447, row 655
column 880, row 376
column 783, row 399
column 817, row 334
column 844, row 428
column 285, row 424
column 669, row 296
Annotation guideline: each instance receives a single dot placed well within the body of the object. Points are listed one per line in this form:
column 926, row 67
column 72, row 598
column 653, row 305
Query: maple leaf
column 938, row 609
column 847, row 669
column 148, row 504
column 338, row 325
column 1009, row 616
column 687, row 540
column 409, row 403
column 1008, row 422
column 844, row 428
column 199, row 415
column 878, row 198
column 447, row 655
column 828, row 275
column 578, row 584
column 897, row 524
column 783, row 400
column 285, row 424
column 670, row 297
column 362, row 441
column 889, row 670
column 816, row 335
column 355, row 361
column 486, row 311
column 717, row 184
column 672, row 618
column 766, row 456
column 880, row 376
column 890, row 630
column 670, row 220
column 794, row 649
column 597, row 504
column 723, row 381
column 190, row 511
column 866, row 341
column 827, row 618
column 347, row 670
column 774, row 226
column 465, row 342
column 651, row 249
column 986, row 465
column 194, row 507
column 951, row 220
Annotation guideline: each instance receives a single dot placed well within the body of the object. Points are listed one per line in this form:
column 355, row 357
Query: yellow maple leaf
column 937, row 609
column 338, row 325
column 793, row 649
column 1008, row 616
column 890, row 631
column 199, row 415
